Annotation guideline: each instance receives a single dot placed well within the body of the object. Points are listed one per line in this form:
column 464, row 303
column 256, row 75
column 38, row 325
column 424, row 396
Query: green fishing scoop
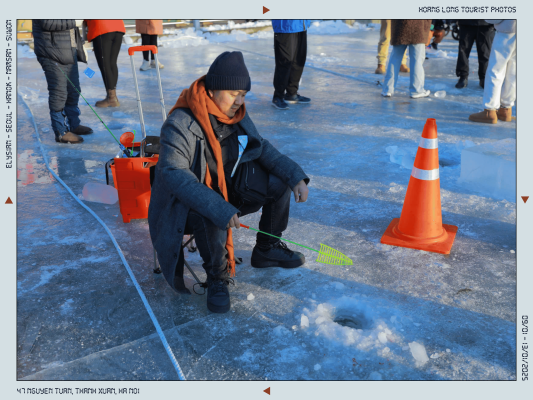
column 326, row 255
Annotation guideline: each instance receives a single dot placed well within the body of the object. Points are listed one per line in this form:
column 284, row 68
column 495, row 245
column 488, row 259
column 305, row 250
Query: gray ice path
column 79, row 316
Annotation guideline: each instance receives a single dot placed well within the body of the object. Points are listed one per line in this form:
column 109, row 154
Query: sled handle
column 135, row 49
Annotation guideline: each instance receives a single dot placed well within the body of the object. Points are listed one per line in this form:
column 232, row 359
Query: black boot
column 482, row 83
column 463, row 82
column 278, row 255
column 218, row 300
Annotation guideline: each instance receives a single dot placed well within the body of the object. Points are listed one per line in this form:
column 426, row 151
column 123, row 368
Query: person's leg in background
column 285, row 45
column 72, row 110
column 153, row 42
column 417, row 54
column 297, row 69
column 393, row 69
column 503, row 48
column 383, row 48
column 145, row 41
column 484, row 39
column 57, row 97
column 508, row 95
column 107, row 55
column 467, row 36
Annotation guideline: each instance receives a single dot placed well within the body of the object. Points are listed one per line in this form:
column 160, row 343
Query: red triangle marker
column 265, row 10
column 525, row 198
column 267, row 391
column 8, row 201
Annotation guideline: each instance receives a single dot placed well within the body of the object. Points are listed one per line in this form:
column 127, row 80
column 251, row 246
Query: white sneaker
column 386, row 94
column 145, row 66
column 420, row 95
column 152, row 64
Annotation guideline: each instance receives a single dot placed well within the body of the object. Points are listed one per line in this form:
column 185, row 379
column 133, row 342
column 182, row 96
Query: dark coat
column 176, row 188
column 409, row 31
column 51, row 39
column 473, row 22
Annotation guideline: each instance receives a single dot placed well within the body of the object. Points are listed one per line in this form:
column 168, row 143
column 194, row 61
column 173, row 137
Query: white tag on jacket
column 243, row 141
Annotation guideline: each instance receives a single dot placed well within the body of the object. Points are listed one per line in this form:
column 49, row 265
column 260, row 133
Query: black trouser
column 106, row 49
column 62, row 97
column 211, row 240
column 148, row 40
column 483, row 37
column 290, row 50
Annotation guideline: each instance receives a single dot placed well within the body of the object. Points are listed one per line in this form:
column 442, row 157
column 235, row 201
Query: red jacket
column 97, row 27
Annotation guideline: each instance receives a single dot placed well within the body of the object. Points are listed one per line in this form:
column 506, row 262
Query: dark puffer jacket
column 410, row 31
column 473, row 22
column 51, row 38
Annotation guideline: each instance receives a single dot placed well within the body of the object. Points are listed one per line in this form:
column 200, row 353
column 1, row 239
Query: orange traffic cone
column 420, row 224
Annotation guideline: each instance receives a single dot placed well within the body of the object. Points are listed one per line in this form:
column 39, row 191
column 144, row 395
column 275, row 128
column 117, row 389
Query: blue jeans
column 62, row 97
column 211, row 240
column 417, row 55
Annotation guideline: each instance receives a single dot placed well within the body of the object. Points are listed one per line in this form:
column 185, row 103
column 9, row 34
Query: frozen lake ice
column 395, row 314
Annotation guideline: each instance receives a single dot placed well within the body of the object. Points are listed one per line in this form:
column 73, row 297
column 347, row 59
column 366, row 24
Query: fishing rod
column 326, row 254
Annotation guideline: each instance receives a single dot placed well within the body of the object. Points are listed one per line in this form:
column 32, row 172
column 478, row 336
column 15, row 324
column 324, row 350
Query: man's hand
column 300, row 192
column 234, row 222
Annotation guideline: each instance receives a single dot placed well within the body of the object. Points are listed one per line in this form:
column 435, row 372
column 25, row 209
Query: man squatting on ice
column 193, row 190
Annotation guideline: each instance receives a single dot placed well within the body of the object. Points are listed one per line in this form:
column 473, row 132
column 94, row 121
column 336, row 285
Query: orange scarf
column 197, row 100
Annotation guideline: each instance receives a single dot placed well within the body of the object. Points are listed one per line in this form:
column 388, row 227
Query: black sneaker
column 218, row 300
column 297, row 99
column 463, row 82
column 279, row 103
column 279, row 255
column 434, row 45
column 482, row 83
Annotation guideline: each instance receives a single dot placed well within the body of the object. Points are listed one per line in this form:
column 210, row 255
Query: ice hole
column 357, row 321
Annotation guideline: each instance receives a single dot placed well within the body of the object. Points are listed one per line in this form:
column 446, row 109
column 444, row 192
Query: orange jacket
column 97, row 27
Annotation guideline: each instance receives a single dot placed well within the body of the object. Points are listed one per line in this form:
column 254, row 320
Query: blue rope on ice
column 137, row 286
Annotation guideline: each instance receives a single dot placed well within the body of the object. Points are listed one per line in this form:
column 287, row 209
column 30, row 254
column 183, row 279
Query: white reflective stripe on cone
column 425, row 175
column 429, row 143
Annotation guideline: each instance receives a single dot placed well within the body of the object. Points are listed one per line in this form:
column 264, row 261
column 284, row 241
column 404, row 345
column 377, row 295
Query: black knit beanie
column 228, row 72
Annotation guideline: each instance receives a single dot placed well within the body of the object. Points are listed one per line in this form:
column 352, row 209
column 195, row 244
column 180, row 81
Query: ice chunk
column 317, row 367
column 99, row 193
column 440, row 94
column 402, row 156
column 435, row 355
column 319, row 320
column 127, row 39
column 491, row 168
column 338, row 286
column 419, row 353
column 382, row 336
column 304, row 321
column 251, row 296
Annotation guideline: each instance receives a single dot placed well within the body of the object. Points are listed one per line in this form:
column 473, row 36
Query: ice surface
column 99, row 193
column 356, row 189
column 419, row 353
column 491, row 168
column 251, row 296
